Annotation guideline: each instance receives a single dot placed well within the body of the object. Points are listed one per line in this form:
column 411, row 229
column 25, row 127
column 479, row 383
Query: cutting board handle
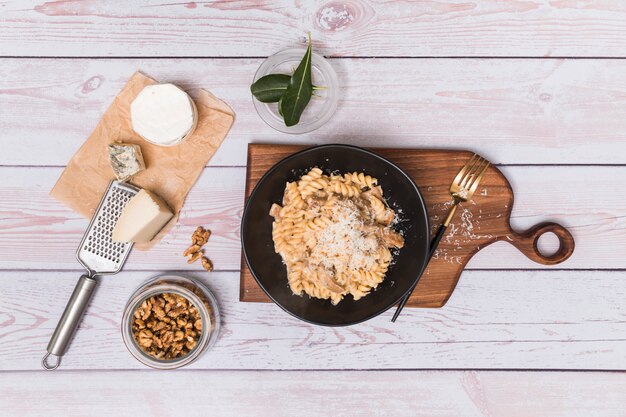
column 526, row 242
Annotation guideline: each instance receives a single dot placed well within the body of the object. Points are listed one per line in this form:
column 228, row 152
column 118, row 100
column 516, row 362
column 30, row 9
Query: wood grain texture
column 514, row 111
column 511, row 111
column 415, row 393
column 339, row 28
column 479, row 223
column 528, row 243
column 494, row 320
column 31, row 220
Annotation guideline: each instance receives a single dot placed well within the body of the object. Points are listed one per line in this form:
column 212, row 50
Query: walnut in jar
column 167, row 326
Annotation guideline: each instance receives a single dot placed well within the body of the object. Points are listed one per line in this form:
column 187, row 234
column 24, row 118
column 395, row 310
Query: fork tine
column 469, row 167
column 477, row 169
column 474, row 185
column 459, row 176
column 472, row 172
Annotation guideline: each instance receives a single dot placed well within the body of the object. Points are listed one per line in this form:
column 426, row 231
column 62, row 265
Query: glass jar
column 319, row 110
column 191, row 289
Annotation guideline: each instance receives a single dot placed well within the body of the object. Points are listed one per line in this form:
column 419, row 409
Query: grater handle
column 69, row 320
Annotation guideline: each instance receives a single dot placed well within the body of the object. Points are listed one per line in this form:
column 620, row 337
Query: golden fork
column 462, row 189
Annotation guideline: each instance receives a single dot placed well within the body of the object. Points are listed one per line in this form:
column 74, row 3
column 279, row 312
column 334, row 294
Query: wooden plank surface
column 32, row 221
column 494, row 320
column 340, row 28
column 285, row 394
column 515, row 111
column 512, row 111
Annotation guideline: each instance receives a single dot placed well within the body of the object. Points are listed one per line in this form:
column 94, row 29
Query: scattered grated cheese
column 343, row 245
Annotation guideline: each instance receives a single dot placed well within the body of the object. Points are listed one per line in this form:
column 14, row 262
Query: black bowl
column 266, row 265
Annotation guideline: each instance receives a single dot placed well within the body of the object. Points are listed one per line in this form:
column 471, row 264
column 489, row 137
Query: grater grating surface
column 97, row 252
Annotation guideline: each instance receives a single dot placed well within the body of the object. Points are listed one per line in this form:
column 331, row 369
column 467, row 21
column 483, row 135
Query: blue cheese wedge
column 142, row 218
column 126, row 160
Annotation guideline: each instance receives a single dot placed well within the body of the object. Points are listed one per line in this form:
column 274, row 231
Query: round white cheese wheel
column 163, row 114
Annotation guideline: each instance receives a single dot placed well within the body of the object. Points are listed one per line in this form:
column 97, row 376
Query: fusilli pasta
column 334, row 234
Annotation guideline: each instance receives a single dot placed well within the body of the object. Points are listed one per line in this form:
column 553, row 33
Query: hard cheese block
column 142, row 218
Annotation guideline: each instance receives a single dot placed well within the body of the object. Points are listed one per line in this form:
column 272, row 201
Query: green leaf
column 299, row 90
column 270, row 89
column 280, row 106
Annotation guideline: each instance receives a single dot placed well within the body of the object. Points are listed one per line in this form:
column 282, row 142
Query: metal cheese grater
column 100, row 256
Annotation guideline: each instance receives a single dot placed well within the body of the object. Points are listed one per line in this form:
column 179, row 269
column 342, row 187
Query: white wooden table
column 539, row 87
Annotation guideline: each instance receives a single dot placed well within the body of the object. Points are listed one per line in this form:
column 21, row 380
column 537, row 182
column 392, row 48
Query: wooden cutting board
column 478, row 223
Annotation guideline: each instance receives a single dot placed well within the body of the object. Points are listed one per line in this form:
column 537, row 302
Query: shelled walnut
column 199, row 238
column 207, row 264
column 167, row 326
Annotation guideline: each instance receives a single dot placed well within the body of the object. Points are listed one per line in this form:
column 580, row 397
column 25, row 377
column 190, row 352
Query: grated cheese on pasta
column 343, row 246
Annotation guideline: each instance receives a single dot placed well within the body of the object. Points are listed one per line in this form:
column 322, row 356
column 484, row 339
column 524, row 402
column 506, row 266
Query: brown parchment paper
column 170, row 171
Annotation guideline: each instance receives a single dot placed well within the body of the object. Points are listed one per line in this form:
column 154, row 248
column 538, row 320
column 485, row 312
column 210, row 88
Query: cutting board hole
column 548, row 244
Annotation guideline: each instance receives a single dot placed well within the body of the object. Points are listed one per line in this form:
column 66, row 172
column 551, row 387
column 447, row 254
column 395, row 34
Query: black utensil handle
column 431, row 252
column 435, row 243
